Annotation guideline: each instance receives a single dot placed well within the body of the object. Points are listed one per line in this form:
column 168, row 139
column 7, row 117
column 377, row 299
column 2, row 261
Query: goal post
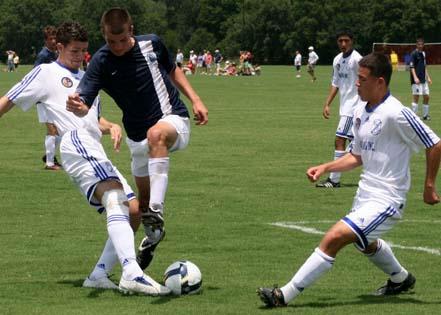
column 403, row 50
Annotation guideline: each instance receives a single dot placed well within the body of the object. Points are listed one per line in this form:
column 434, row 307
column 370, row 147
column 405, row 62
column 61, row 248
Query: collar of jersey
column 372, row 108
column 347, row 54
column 63, row 66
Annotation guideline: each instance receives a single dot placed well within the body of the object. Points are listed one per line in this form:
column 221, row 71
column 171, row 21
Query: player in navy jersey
column 139, row 74
column 385, row 135
column 48, row 54
column 419, row 78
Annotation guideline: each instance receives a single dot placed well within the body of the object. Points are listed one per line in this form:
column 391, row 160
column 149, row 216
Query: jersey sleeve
column 412, row 59
column 91, row 82
column 414, row 132
column 164, row 57
column 30, row 90
column 335, row 79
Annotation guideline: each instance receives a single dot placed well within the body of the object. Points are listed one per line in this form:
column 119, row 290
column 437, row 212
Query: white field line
column 299, row 227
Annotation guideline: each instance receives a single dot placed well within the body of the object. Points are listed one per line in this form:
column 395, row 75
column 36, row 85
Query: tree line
column 271, row 29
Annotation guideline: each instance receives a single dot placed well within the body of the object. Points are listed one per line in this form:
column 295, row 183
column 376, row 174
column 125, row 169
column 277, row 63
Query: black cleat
column 327, row 184
column 146, row 249
column 392, row 288
column 55, row 160
column 271, row 297
column 427, row 117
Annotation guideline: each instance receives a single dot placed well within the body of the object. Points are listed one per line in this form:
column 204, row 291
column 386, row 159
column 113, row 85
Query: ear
column 60, row 47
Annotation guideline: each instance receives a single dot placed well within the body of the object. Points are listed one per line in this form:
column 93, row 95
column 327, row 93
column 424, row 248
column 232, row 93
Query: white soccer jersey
column 345, row 75
column 298, row 60
column 35, row 88
column 313, row 58
column 385, row 137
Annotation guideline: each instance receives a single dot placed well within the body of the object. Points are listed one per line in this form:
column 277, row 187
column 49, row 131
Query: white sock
column 385, row 259
column 425, row 110
column 313, row 268
column 158, row 172
column 106, row 262
column 415, row 107
column 49, row 144
column 120, row 232
column 335, row 176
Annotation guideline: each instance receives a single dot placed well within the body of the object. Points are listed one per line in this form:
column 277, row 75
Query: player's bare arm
column 199, row 110
column 5, row 105
column 345, row 163
column 327, row 107
column 76, row 106
column 415, row 77
column 114, row 130
column 433, row 156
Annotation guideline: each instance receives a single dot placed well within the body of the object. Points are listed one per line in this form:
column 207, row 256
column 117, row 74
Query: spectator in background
column 16, row 60
column 208, row 61
column 179, row 58
column 298, row 63
column 217, row 60
column 10, row 62
column 312, row 61
column 194, row 61
column 394, row 60
column 86, row 60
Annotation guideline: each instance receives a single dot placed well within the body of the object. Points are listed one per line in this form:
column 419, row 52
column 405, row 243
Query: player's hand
column 326, row 111
column 116, row 136
column 417, row 81
column 430, row 196
column 76, row 106
column 200, row 113
column 314, row 173
column 429, row 80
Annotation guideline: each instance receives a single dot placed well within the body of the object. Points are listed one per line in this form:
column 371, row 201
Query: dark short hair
column 378, row 64
column 71, row 31
column 49, row 31
column 115, row 18
column 344, row 32
column 420, row 39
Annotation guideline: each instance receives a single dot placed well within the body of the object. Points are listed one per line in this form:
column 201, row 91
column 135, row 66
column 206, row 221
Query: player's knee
column 156, row 137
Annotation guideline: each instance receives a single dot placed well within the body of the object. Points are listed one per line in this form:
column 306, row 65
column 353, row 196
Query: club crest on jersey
column 67, row 82
column 152, row 57
column 377, row 127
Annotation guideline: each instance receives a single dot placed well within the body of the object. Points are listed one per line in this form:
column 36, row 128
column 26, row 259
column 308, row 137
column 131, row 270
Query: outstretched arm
column 199, row 110
column 347, row 162
column 114, row 130
column 433, row 156
column 5, row 105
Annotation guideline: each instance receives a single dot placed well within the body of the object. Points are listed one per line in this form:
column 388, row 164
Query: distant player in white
column 312, row 62
column 345, row 71
column 84, row 158
column 385, row 135
column 298, row 63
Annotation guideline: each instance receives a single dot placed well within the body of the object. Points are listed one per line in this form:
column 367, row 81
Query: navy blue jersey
column 138, row 82
column 418, row 62
column 45, row 56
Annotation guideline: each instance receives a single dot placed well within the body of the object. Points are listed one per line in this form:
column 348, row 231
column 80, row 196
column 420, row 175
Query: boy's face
column 72, row 54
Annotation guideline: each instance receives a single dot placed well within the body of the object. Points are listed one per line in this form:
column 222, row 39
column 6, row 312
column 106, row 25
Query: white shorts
column 369, row 219
column 420, row 89
column 344, row 128
column 86, row 163
column 42, row 117
column 139, row 150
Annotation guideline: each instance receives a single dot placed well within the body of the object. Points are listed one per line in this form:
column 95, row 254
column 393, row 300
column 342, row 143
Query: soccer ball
column 183, row 277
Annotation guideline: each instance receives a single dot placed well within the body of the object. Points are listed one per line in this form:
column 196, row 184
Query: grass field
column 241, row 172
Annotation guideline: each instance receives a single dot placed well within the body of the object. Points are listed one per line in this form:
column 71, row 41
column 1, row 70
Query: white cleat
column 101, row 283
column 143, row 285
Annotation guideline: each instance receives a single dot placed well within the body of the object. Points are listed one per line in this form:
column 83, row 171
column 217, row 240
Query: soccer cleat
column 328, row 183
column 101, row 283
column 147, row 248
column 427, row 117
column 52, row 168
column 271, row 297
column 55, row 160
column 392, row 288
column 143, row 285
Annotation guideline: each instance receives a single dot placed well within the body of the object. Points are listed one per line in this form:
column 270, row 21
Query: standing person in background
column 16, row 60
column 48, row 54
column 10, row 60
column 179, row 58
column 298, row 63
column 139, row 74
column 394, row 60
column 420, row 78
column 217, row 61
column 345, row 74
column 312, row 62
